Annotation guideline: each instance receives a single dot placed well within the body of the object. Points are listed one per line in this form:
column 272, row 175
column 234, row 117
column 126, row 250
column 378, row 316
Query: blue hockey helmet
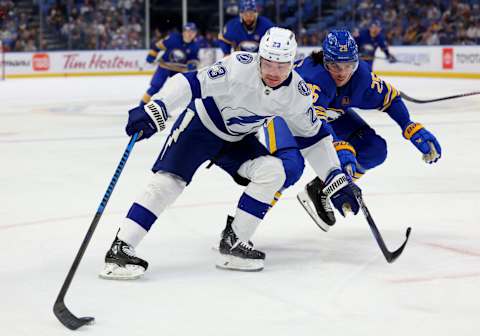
column 248, row 5
column 377, row 23
column 339, row 47
column 190, row 26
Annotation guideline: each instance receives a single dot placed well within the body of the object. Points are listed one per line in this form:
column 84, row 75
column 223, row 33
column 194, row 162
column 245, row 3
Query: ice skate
column 236, row 254
column 317, row 205
column 121, row 263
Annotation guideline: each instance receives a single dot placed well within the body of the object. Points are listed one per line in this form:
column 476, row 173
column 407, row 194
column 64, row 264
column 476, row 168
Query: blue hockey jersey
column 367, row 45
column 235, row 35
column 364, row 90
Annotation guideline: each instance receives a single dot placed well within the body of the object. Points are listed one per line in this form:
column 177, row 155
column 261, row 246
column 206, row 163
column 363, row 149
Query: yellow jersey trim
column 272, row 142
column 411, row 130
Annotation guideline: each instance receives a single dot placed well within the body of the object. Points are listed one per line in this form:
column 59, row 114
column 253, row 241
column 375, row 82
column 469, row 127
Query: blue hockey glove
column 151, row 59
column 346, row 154
column 340, row 190
column 148, row 119
column 424, row 141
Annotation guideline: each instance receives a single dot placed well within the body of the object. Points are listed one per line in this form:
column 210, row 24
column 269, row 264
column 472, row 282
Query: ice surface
column 60, row 141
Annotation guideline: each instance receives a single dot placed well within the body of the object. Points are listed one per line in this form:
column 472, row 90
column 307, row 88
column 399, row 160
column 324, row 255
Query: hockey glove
column 339, row 189
column 424, row 141
column 151, row 59
column 346, row 154
column 147, row 119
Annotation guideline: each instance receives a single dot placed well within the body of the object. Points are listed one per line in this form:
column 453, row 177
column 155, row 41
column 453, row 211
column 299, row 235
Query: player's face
column 189, row 35
column 341, row 72
column 249, row 17
column 374, row 30
column 274, row 73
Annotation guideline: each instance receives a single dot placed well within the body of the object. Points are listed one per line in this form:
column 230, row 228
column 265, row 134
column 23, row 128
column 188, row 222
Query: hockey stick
column 390, row 256
column 420, row 101
column 59, row 309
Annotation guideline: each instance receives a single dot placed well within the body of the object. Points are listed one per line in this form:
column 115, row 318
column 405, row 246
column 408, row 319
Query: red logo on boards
column 40, row 62
column 447, row 58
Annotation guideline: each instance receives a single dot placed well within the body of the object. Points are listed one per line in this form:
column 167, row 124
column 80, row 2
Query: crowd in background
column 119, row 24
column 16, row 30
column 428, row 22
column 99, row 24
column 72, row 24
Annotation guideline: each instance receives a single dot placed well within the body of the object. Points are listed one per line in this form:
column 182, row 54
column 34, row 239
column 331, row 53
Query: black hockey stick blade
column 424, row 101
column 389, row 256
column 395, row 254
column 67, row 318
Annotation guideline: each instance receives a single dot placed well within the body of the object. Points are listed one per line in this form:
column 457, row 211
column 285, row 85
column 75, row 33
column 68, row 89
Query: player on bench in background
column 244, row 33
column 180, row 54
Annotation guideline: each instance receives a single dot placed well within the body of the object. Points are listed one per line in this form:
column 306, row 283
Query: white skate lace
column 325, row 203
column 128, row 250
column 246, row 245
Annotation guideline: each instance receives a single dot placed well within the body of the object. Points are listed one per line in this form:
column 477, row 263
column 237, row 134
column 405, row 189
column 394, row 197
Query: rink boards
column 417, row 61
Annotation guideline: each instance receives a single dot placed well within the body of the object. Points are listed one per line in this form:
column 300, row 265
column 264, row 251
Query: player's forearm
column 399, row 112
column 176, row 94
column 322, row 157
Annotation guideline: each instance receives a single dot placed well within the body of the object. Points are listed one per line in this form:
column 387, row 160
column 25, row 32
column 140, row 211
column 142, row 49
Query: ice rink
column 60, row 141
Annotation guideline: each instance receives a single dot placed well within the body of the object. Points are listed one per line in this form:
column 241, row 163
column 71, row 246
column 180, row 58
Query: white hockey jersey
column 232, row 101
column 235, row 101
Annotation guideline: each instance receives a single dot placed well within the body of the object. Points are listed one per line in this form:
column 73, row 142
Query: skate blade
column 229, row 262
column 310, row 209
column 115, row 272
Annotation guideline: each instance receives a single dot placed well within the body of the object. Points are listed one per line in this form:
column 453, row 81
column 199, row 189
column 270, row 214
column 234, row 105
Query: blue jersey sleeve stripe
column 194, row 84
column 214, row 114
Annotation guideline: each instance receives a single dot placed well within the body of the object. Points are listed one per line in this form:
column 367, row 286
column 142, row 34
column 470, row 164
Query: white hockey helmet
column 278, row 45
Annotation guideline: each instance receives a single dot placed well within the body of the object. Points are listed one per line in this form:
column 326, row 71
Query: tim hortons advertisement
column 437, row 61
column 75, row 62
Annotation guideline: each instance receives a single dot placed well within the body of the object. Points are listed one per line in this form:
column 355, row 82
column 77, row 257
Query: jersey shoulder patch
column 244, row 58
column 303, row 88
column 216, row 71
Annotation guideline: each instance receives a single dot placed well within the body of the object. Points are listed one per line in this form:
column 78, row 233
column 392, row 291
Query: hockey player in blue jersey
column 223, row 108
column 180, row 54
column 339, row 81
column 244, row 33
column 369, row 40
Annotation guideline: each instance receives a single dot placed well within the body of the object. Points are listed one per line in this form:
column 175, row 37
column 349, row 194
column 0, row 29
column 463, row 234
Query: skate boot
column 121, row 263
column 317, row 205
column 236, row 254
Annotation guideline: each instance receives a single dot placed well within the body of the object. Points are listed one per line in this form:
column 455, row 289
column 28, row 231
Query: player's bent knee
column 293, row 164
column 379, row 149
column 270, row 172
column 371, row 150
column 161, row 191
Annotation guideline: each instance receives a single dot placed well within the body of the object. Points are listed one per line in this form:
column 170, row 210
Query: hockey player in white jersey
column 223, row 107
